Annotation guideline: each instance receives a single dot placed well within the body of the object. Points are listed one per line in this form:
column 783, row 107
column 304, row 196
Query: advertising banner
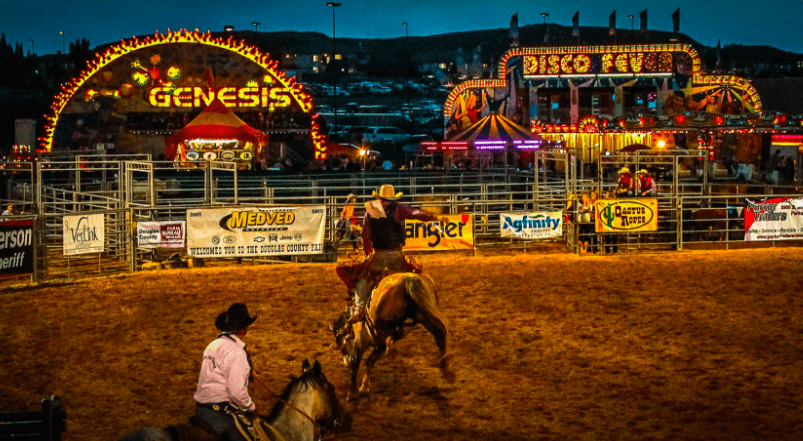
column 16, row 247
column 161, row 234
column 457, row 234
column 774, row 219
column 537, row 225
column 255, row 231
column 626, row 215
column 84, row 234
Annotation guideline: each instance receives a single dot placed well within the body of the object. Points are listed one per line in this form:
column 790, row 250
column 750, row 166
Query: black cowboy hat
column 235, row 319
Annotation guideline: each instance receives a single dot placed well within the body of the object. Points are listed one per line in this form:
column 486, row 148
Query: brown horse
column 400, row 300
column 307, row 407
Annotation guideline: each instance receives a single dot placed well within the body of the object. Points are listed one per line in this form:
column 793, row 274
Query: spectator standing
column 9, row 211
column 348, row 226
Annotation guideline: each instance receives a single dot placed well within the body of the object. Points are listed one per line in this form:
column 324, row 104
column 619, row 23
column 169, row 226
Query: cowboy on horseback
column 383, row 238
column 222, row 391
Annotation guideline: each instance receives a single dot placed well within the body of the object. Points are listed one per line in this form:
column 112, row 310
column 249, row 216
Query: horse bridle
column 321, row 426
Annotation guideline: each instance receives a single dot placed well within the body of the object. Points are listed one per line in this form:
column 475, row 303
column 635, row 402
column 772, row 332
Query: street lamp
column 33, row 48
column 256, row 25
column 631, row 24
column 363, row 153
column 407, row 68
column 545, row 15
column 334, row 54
column 62, row 41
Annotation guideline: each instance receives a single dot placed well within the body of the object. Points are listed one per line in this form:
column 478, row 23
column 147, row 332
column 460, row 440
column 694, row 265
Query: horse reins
column 259, row 383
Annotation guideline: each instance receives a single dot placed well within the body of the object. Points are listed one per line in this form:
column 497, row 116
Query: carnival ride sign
column 626, row 215
column 245, row 97
column 252, row 232
column 537, row 225
column 457, row 234
column 639, row 62
column 773, row 219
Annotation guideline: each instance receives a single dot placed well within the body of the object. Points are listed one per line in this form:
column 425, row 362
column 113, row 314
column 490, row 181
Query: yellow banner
column 625, row 215
column 457, row 234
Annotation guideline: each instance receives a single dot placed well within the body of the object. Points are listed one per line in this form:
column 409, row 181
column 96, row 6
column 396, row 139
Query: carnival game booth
column 216, row 134
column 496, row 140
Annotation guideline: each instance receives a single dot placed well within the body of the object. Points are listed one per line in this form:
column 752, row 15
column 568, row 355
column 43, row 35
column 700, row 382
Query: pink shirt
column 224, row 374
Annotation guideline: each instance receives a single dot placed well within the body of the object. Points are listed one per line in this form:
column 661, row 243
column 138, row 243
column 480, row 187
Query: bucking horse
column 400, row 301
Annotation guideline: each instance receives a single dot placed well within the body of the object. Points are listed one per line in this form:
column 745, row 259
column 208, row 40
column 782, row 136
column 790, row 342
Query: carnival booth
column 493, row 139
column 216, row 134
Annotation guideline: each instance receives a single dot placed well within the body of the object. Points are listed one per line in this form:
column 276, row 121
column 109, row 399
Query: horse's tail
column 425, row 298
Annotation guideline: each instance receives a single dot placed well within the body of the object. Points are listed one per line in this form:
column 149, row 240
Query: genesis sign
column 265, row 97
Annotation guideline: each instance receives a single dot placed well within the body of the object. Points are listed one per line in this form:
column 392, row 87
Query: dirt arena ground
column 700, row 345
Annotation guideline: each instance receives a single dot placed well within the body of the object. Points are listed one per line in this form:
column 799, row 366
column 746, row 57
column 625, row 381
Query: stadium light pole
column 631, row 24
column 334, row 56
column 62, row 42
column 33, row 48
column 545, row 15
column 256, row 25
column 406, row 70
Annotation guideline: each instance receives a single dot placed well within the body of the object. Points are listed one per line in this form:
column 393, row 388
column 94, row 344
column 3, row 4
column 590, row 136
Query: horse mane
column 306, row 378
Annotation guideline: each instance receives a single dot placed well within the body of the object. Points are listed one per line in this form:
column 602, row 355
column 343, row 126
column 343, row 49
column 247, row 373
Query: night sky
column 776, row 23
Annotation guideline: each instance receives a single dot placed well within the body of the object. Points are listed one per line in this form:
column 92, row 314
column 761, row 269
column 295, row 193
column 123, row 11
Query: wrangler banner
column 16, row 247
column 252, row 231
column 774, row 219
column 538, row 225
column 160, row 234
column 84, row 234
column 626, row 215
column 457, row 234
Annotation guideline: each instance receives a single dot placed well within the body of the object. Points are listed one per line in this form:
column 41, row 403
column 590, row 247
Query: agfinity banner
column 537, row 225
column 457, row 234
column 84, row 234
column 249, row 232
column 16, row 247
column 625, row 215
column 160, row 234
column 774, row 219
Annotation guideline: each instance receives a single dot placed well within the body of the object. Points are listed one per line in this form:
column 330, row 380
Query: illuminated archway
column 126, row 47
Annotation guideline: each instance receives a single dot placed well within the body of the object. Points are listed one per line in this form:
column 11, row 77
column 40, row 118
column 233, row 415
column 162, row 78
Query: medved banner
column 83, row 234
column 537, row 225
column 16, row 247
column 457, row 234
column 160, row 234
column 625, row 215
column 251, row 232
column 773, row 219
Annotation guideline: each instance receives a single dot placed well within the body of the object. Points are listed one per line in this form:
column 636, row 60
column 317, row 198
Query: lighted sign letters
column 267, row 97
column 601, row 63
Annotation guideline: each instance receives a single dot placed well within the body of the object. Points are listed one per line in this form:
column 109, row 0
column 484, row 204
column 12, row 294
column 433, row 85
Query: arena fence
column 693, row 211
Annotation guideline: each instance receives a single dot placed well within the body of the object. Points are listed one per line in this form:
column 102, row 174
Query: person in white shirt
column 222, row 392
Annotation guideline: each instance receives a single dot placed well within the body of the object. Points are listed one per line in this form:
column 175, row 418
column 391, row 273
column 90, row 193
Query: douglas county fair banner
column 457, row 234
column 539, row 225
column 83, row 234
column 248, row 232
column 774, row 219
column 16, row 247
column 625, row 215
column 160, row 234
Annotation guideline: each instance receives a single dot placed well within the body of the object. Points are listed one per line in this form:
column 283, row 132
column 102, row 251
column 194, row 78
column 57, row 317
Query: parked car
column 393, row 135
column 378, row 88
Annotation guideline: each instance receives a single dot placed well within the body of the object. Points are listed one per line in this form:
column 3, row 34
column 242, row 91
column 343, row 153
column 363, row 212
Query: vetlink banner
column 457, row 234
column 160, row 234
column 84, row 234
column 16, row 247
column 536, row 225
column 255, row 231
column 774, row 219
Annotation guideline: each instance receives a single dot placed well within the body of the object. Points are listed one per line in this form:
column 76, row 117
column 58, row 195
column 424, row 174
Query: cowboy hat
column 235, row 319
column 624, row 170
column 643, row 171
column 351, row 197
column 387, row 192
